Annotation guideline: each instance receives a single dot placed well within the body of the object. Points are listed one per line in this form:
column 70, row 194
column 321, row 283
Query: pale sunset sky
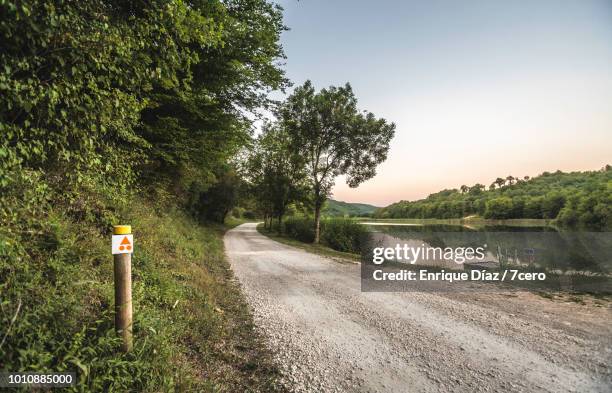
column 477, row 89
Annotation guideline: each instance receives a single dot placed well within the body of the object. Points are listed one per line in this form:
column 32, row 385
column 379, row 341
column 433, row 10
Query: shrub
column 343, row 234
column 300, row 228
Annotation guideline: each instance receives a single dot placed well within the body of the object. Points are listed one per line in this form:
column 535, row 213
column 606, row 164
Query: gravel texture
column 328, row 336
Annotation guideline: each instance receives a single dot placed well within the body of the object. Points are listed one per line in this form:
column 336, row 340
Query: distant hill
column 576, row 198
column 340, row 209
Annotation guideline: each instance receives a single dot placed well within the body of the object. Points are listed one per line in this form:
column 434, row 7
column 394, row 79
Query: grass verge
column 343, row 257
column 193, row 330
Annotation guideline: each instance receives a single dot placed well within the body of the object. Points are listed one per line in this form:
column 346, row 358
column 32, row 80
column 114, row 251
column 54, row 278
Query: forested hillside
column 335, row 208
column 573, row 199
column 125, row 112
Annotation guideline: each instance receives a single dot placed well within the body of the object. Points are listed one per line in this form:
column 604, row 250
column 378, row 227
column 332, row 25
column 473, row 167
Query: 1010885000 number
column 34, row 379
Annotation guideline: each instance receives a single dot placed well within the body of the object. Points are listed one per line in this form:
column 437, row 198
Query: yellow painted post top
column 122, row 229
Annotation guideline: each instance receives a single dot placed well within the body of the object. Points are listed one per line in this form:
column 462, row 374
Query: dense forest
column 572, row 199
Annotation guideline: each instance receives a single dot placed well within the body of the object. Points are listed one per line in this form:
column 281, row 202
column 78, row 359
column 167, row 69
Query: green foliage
column 100, row 101
column 300, row 228
column 572, row 199
column 195, row 131
column 218, row 200
column 498, row 208
column 75, row 75
column 334, row 137
column 93, row 93
column 341, row 234
column 275, row 172
column 62, row 300
column 249, row 215
column 334, row 208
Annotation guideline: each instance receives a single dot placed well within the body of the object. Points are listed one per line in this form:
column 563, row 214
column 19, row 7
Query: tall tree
column 477, row 188
column 195, row 129
column 335, row 138
column 276, row 171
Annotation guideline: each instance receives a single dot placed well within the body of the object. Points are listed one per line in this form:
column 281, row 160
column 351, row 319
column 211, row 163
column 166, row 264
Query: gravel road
column 328, row 336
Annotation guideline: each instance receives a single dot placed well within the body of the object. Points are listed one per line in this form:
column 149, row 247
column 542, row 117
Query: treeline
column 572, row 199
column 317, row 136
column 99, row 97
column 105, row 104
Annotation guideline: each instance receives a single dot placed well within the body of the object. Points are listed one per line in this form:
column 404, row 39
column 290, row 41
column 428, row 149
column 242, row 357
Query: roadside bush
column 343, row 234
column 300, row 228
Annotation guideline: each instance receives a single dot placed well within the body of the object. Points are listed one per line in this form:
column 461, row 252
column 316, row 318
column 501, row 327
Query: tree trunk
column 280, row 221
column 317, row 222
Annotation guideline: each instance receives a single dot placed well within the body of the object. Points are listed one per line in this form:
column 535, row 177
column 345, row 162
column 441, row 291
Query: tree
column 334, row 138
column 533, row 208
column 194, row 128
column 214, row 203
column 100, row 95
column 74, row 77
column 551, row 204
column 477, row 189
column 464, row 189
column 276, row 172
column 573, row 199
column 499, row 208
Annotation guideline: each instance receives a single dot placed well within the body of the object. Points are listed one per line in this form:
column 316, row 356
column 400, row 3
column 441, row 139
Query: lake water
column 542, row 247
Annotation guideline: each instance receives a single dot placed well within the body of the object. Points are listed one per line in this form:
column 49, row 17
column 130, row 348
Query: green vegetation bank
column 576, row 199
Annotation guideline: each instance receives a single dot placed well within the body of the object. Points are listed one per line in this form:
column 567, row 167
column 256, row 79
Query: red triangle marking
column 125, row 240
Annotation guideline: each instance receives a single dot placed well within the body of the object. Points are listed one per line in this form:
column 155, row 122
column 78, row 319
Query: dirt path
column 329, row 336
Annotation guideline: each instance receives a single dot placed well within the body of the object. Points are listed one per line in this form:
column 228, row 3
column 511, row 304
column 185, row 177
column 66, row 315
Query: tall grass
column 192, row 328
column 340, row 234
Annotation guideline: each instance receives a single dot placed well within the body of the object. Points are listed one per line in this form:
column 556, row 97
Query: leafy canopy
column 334, row 137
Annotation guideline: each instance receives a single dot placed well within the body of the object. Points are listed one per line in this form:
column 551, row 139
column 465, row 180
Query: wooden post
column 123, row 291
